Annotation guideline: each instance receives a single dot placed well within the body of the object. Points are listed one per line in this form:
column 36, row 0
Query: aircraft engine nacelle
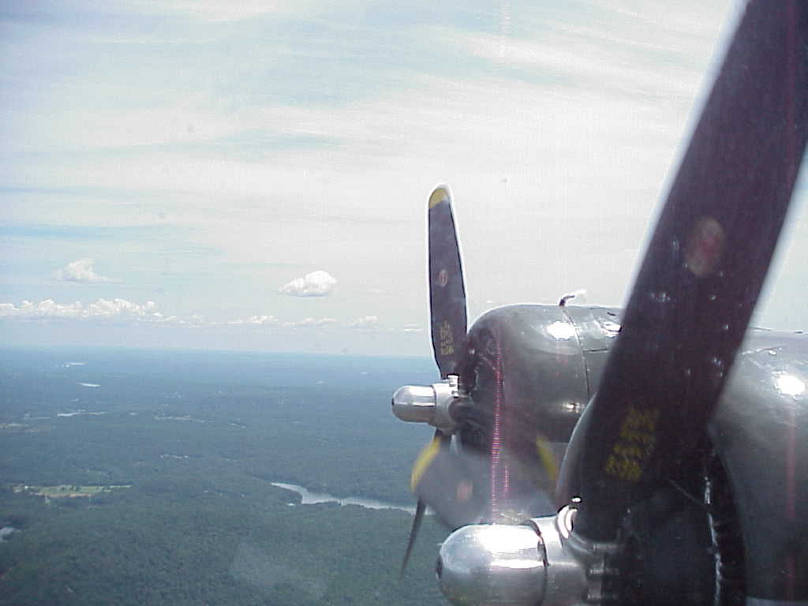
column 523, row 380
column 529, row 372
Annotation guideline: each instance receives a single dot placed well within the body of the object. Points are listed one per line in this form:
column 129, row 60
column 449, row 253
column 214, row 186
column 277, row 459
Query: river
column 308, row 497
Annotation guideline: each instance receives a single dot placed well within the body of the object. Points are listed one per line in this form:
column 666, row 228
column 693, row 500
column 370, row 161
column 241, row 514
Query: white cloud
column 221, row 11
column 122, row 309
column 315, row 284
column 365, row 322
column 649, row 50
column 102, row 308
column 311, row 323
column 214, row 10
column 262, row 320
column 81, row 270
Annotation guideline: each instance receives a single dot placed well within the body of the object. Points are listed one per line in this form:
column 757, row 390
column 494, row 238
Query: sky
column 254, row 175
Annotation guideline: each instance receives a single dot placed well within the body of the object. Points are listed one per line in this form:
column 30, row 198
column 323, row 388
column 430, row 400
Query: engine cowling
column 533, row 367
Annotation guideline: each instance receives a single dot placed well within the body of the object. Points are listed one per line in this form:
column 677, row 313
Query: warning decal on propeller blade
column 446, row 338
column 634, row 445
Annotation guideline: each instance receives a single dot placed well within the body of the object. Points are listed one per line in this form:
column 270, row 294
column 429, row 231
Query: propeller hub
column 492, row 564
column 430, row 404
column 539, row 562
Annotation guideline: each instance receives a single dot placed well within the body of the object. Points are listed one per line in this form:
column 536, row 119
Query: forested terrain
column 190, row 442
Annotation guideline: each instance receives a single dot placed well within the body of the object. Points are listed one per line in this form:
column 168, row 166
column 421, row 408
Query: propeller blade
column 449, row 482
column 447, row 295
column 457, row 486
column 439, row 440
column 420, row 508
column 447, row 306
column 703, row 269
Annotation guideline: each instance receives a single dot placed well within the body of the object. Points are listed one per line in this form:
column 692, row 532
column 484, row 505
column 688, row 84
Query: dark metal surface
column 703, row 270
column 597, row 328
column 760, row 431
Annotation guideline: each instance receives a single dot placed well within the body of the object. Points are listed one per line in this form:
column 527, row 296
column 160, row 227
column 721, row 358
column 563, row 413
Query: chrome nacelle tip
column 428, row 404
column 415, row 403
column 492, row 564
column 541, row 562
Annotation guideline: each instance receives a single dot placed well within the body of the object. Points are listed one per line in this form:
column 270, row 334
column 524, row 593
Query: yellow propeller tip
column 423, row 461
column 441, row 194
